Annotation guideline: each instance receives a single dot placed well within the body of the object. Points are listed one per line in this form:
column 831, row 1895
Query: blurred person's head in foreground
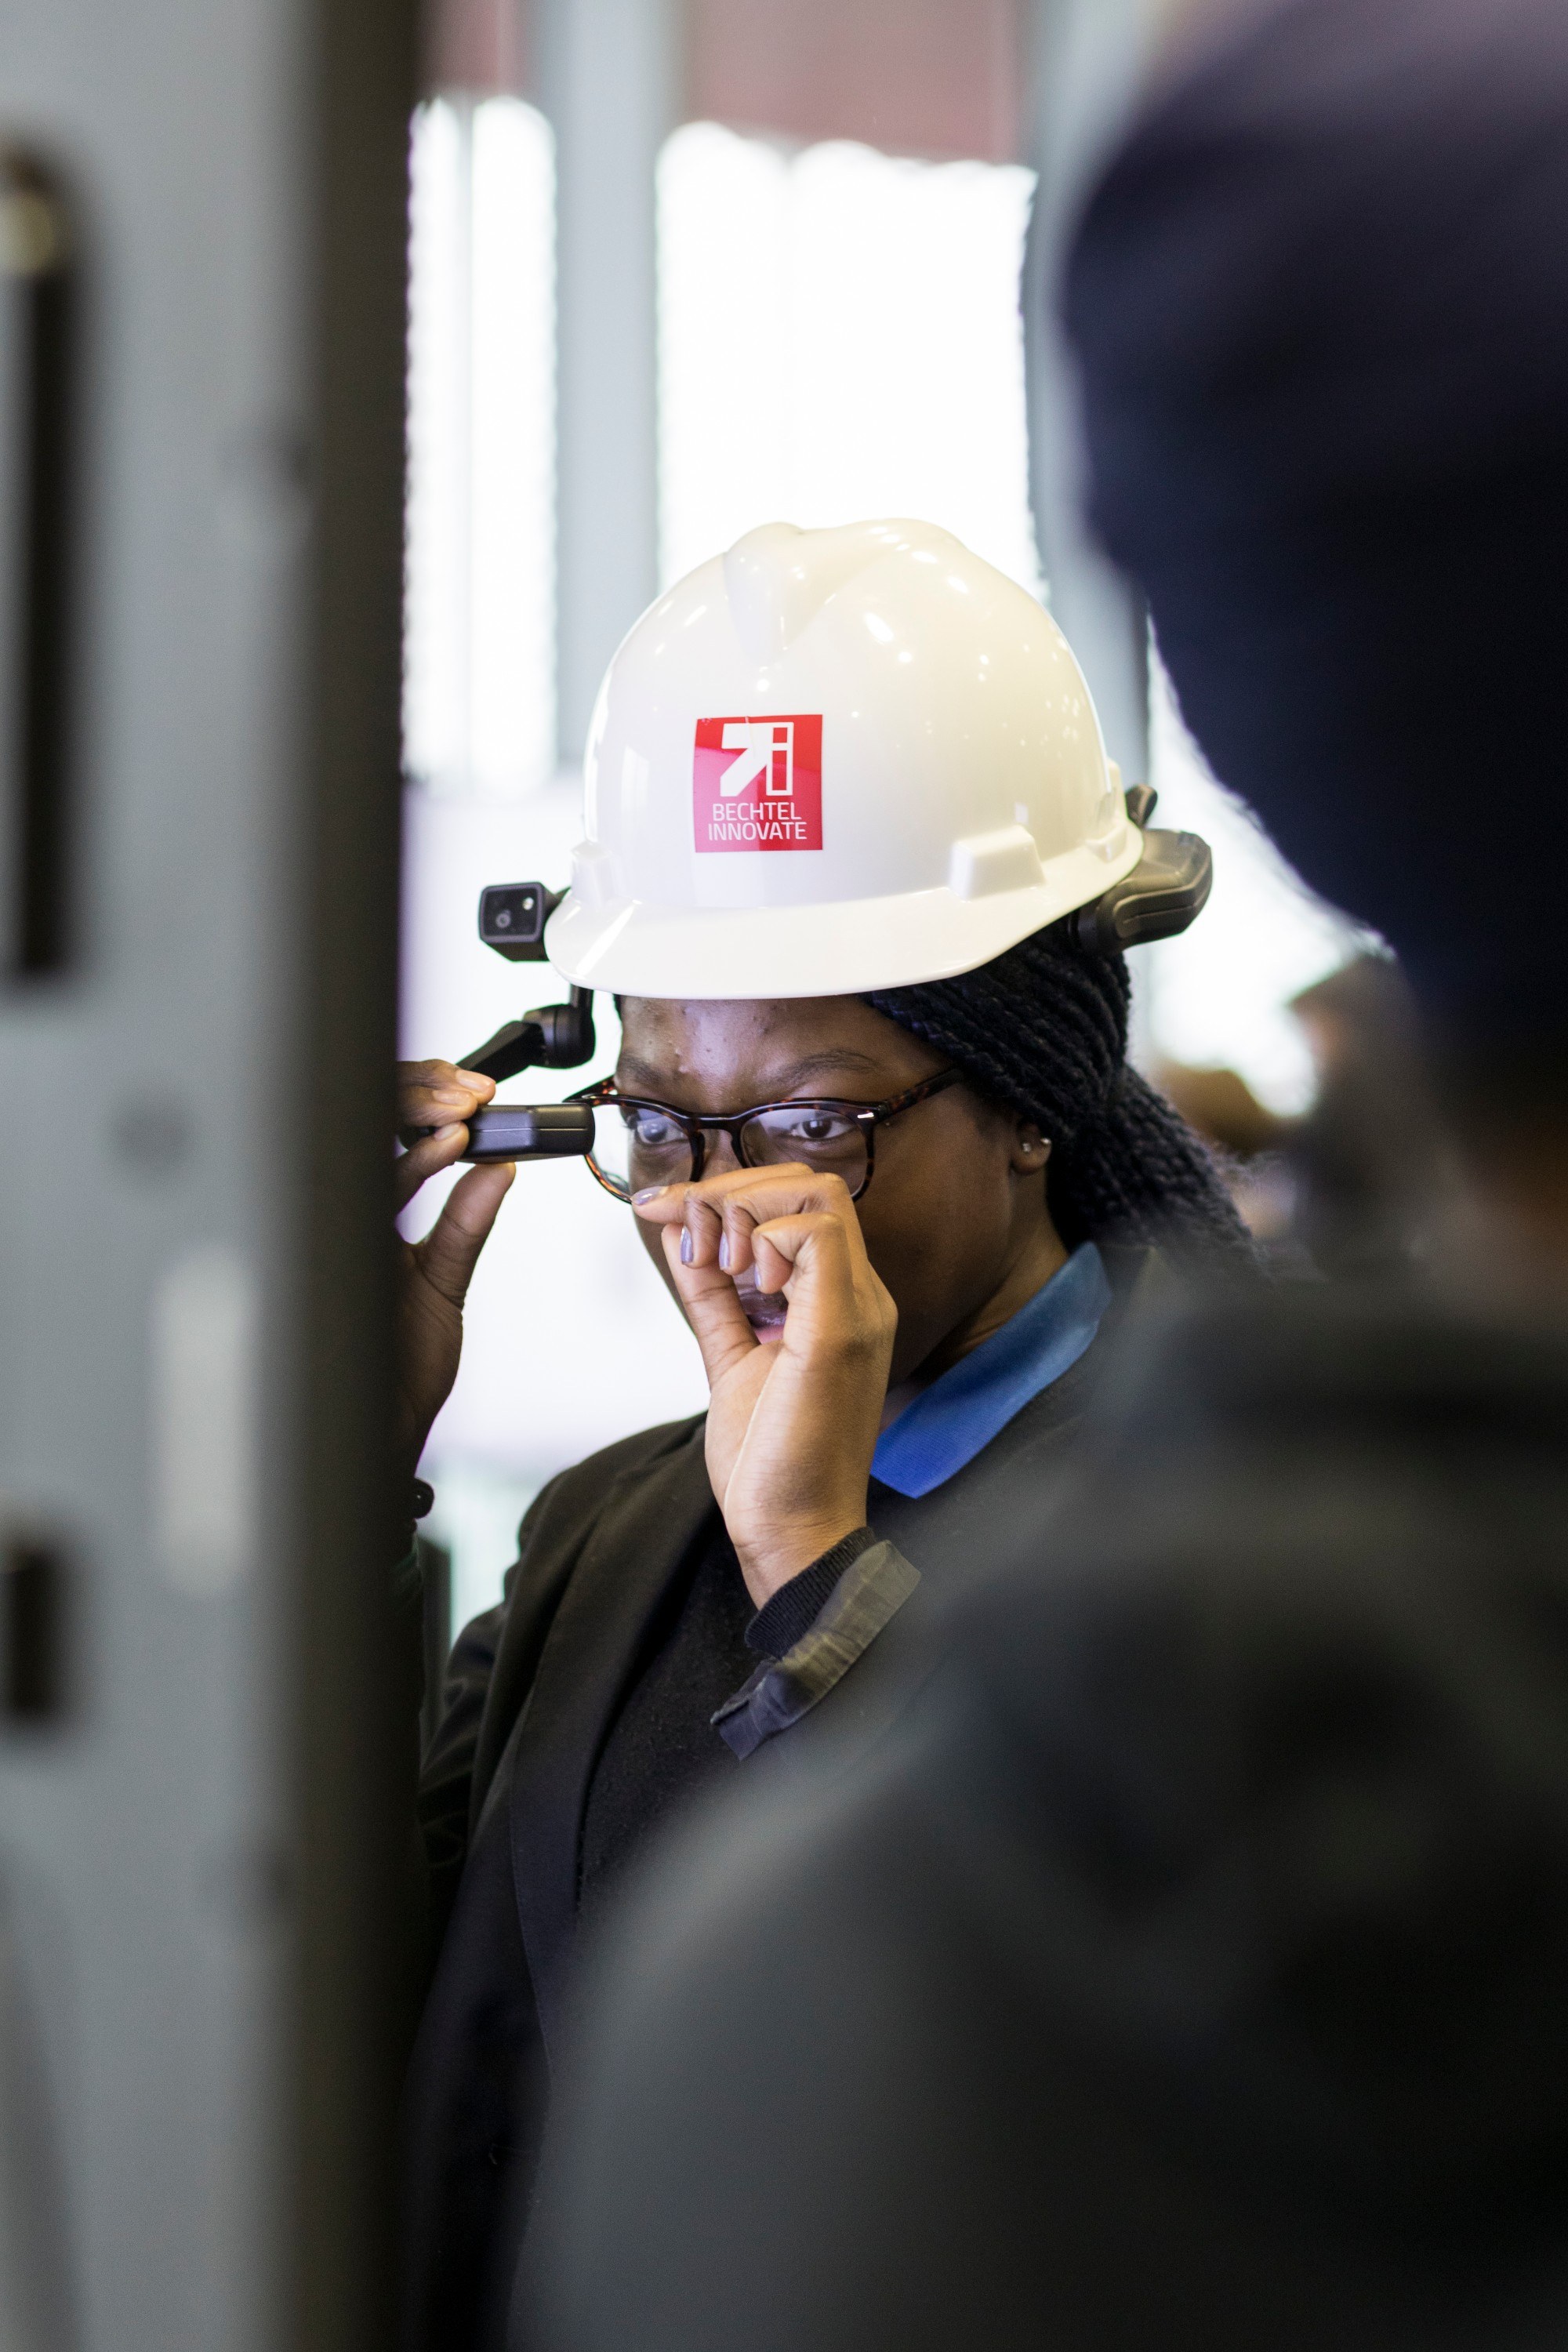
column 1320, row 301
column 1188, row 1971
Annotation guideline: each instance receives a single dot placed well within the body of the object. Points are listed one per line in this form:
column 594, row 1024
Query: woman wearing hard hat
column 858, row 875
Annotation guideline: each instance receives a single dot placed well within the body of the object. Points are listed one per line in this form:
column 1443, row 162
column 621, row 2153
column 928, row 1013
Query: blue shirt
column 948, row 1423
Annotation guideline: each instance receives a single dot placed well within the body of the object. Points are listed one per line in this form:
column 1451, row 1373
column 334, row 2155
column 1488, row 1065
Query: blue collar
column 962, row 1410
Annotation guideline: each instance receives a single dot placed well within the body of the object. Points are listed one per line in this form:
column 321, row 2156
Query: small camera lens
column 512, row 919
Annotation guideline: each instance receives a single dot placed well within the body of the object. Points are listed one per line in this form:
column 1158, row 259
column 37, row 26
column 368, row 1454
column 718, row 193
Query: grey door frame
column 200, row 1846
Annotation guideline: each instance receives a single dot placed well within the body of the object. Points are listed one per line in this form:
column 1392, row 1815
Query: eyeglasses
column 637, row 1143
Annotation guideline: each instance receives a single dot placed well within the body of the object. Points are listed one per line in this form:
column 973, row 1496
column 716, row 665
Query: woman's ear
column 1031, row 1150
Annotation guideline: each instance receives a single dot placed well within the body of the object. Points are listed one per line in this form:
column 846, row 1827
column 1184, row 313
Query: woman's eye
column 653, row 1131
column 816, row 1127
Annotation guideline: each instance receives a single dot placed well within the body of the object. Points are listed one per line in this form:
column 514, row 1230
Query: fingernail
column 649, row 1192
column 685, row 1247
column 445, row 1134
column 724, row 1255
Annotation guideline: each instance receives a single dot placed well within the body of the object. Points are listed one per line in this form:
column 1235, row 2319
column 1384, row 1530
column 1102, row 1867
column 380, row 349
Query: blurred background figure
column 1356, row 1184
column 1368, row 1159
column 1190, row 1973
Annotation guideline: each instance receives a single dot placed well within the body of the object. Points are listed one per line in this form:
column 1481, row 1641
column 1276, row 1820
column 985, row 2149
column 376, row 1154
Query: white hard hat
column 831, row 761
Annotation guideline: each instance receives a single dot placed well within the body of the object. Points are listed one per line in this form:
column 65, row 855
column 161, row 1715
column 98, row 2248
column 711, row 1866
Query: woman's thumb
column 450, row 1250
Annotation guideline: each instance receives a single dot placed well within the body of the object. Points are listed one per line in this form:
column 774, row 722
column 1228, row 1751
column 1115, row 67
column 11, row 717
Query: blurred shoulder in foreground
column 1190, row 1970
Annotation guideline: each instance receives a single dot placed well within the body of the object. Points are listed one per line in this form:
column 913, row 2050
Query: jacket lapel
column 645, row 1531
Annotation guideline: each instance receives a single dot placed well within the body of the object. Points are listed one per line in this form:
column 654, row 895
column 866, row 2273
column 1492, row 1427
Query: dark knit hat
column 1042, row 1030
column 1320, row 302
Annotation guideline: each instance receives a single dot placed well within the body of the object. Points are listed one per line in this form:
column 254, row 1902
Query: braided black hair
column 1042, row 1029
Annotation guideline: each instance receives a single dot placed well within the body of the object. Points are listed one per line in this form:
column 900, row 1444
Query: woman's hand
column 436, row 1272
column 793, row 1420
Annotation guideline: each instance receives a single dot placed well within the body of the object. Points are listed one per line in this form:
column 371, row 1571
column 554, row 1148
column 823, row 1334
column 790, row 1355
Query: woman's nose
column 719, row 1156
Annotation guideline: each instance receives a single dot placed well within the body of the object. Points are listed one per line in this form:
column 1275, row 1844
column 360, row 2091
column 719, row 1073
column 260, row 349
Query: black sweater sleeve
column 788, row 1617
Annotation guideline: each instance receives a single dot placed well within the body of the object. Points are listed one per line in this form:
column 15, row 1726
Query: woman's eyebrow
column 824, row 1066
column 634, row 1071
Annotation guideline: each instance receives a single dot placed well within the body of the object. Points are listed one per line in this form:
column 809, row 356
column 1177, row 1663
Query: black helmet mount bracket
column 1166, row 890
column 512, row 916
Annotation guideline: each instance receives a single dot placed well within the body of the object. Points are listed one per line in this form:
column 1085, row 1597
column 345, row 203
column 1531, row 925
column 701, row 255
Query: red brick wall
column 916, row 77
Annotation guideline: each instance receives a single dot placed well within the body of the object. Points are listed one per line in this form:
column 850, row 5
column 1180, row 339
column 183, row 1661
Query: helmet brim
column 845, row 947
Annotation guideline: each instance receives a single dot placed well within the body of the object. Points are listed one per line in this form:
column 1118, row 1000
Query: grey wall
column 195, row 1850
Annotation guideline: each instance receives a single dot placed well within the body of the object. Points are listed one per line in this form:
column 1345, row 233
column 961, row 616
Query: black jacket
column 532, row 1692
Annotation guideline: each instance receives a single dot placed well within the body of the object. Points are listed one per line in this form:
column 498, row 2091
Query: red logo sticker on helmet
column 756, row 783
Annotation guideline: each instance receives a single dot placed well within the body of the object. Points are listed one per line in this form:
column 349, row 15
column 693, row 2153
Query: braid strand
column 1042, row 1029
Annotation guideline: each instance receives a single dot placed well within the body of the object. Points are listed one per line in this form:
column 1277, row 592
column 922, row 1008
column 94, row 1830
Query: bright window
column 839, row 338
column 478, row 693
column 1216, row 997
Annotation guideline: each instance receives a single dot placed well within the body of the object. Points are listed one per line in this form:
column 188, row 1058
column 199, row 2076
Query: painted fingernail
column 685, row 1247
column 724, row 1255
column 649, row 1192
